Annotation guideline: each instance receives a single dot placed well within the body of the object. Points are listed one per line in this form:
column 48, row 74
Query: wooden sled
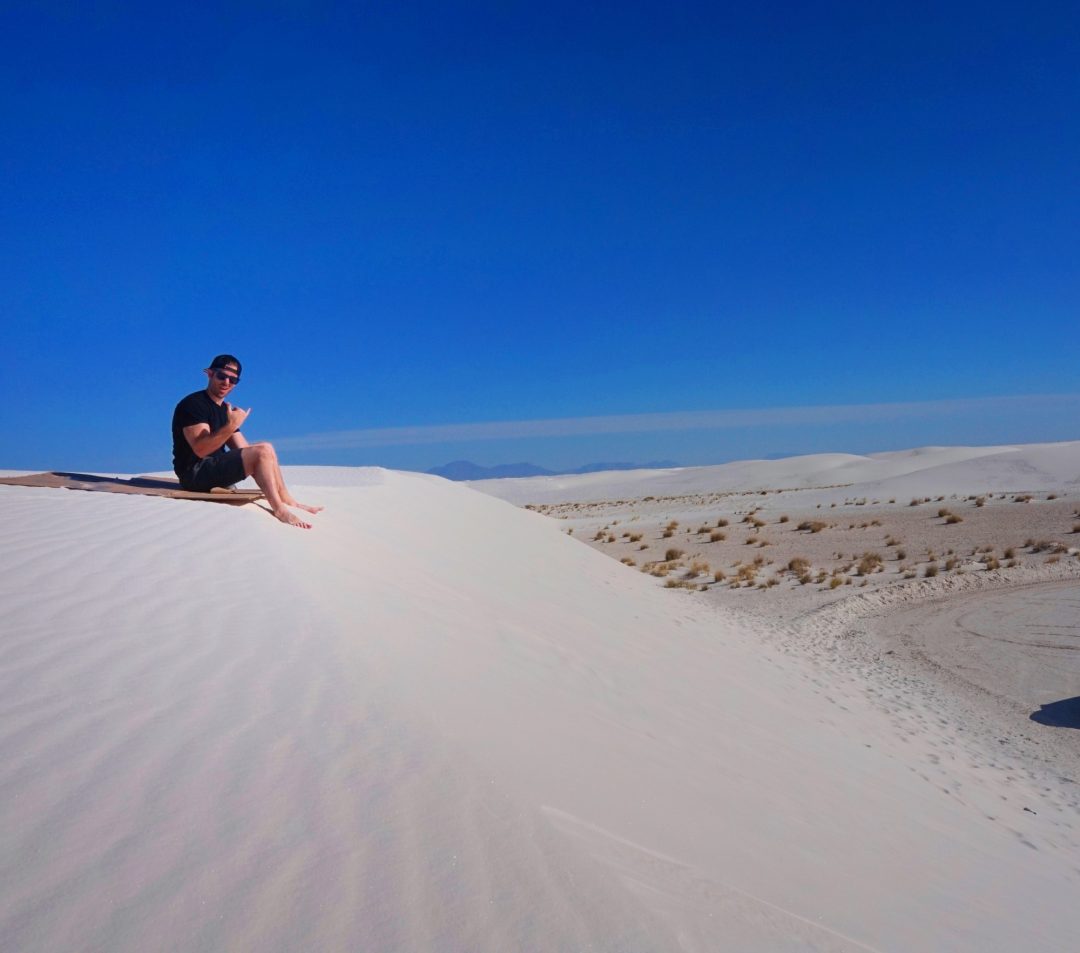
column 142, row 486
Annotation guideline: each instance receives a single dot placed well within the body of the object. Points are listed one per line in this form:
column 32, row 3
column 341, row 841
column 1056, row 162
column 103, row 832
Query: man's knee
column 256, row 454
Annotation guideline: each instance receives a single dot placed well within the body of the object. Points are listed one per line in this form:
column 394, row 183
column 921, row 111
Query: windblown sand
column 439, row 722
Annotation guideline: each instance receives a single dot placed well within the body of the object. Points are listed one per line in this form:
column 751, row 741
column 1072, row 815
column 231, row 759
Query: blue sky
column 437, row 224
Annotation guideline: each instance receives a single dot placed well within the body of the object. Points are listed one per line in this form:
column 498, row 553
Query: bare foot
column 291, row 518
column 307, row 508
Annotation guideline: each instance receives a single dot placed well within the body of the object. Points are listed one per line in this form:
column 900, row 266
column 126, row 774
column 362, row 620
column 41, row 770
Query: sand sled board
column 142, row 486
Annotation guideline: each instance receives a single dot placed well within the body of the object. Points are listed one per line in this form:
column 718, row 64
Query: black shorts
column 219, row 469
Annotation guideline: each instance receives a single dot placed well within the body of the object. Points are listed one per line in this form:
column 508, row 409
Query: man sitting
column 209, row 450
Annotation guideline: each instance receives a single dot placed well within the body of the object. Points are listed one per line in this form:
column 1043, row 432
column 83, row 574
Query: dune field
column 442, row 721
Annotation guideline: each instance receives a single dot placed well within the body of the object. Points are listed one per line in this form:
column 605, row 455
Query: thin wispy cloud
column 655, row 423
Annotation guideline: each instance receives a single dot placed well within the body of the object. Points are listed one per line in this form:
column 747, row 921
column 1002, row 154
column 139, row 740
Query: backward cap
column 222, row 360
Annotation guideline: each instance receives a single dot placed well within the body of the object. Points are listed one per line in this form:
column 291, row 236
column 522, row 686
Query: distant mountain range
column 464, row 470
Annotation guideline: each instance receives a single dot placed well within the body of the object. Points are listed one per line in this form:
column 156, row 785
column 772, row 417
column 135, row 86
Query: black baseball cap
column 223, row 360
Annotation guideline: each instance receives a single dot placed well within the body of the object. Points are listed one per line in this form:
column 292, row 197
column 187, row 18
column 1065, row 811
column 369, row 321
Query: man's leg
column 283, row 491
column 260, row 462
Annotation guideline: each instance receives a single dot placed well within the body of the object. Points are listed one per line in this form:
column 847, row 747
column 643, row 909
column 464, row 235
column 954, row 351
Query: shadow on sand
column 1062, row 714
column 148, row 483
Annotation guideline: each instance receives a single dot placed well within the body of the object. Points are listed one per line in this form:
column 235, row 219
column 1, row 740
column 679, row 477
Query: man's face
column 222, row 380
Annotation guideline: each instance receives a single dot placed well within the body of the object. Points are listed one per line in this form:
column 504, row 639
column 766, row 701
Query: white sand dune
column 435, row 722
column 924, row 470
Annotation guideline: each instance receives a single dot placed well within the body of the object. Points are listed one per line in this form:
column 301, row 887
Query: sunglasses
column 231, row 378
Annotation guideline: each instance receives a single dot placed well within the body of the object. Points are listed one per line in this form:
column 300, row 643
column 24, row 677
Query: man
column 209, row 450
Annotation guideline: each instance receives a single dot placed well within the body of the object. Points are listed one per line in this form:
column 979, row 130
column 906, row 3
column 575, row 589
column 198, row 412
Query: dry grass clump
column 627, row 561
column 942, row 513
column 721, row 523
column 668, row 533
column 1010, row 553
column 719, row 575
column 635, row 537
column 836, row 582
column 746, row 574
column 813, row 526
column 799, row 566
column 930, row 570
column 783, row 519
column 1076, row 527
column 1022, row 498
column 679, row 584
column 696, row 569
column 980, row 501
column 1046, row 545
column 991, row 562
column 672, row 554
column 716, row 536
column 870, row 563
column 901, row 554
column 953, row 518
column 951, row 564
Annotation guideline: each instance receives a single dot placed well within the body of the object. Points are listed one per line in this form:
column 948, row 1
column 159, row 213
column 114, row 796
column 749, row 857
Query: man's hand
column 237, row 416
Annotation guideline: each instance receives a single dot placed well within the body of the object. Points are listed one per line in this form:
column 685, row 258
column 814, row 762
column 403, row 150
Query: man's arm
column 237, row 441
column 203, row 441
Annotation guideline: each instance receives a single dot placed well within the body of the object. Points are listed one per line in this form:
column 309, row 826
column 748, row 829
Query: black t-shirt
column 196, row 408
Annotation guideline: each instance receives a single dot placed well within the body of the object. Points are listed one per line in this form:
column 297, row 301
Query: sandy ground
column 439, row 722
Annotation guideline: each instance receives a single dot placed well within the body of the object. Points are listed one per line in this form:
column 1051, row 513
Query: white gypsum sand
column 436, row 722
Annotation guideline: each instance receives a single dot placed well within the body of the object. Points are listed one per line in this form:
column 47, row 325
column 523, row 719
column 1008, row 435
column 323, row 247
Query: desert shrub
column 672, row 554
column 953, row 518
column 1013, row 563
column 668, row 533
column 1053, row 559
column 1010, row 553
column 1022, row 498
column 799, row 565
column 991, row 562
column 678, row 584
column 901, row 554
column 943, row 513
column 869, row 563
column 721, row 523
column 635, row 537
column 747, row 573
column 783, row 519
column 814, row 526
column 914, row 503
column 719, row 575
column 910, row 574
column 951, row 564
column 674, row 524
column 627, row 561
column 1076, row 527
column 980, row 501
column 821, row 576
column 930, row 570
column 716, row 536
column 1051, row 496
column 570, row 531
column 643, row 546
column 836, row 582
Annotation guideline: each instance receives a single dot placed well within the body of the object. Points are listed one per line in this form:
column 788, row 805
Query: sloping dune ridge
column 927, row 469
column 436, row 722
